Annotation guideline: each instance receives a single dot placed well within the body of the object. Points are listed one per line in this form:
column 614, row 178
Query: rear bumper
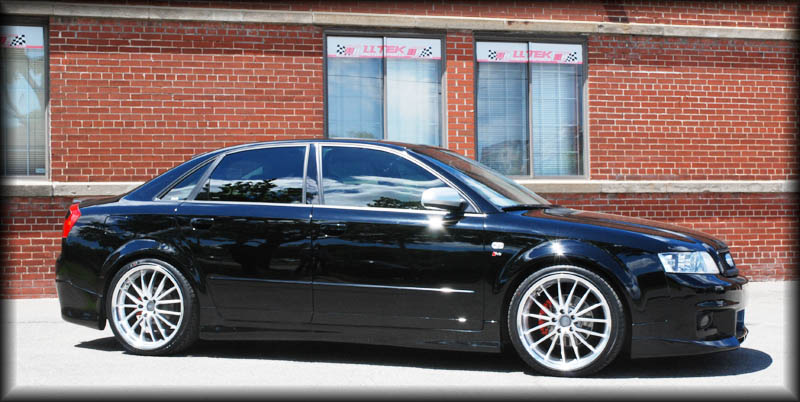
column 704, row 314
column 80, row 306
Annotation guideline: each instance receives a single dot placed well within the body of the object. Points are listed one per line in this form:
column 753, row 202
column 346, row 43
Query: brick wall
column 692, row 109
column 29, row 245
column 659, row 108
column 131, row 98
column 460, row 93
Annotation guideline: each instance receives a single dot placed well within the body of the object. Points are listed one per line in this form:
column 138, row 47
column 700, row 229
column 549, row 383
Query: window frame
column 45, row 24
column 583, row 115
column 471, row 209
column 383, row 34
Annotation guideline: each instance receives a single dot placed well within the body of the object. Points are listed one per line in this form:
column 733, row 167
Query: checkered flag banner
column 572, row 57
column 492, row 55
column 18, row 41
column 426, row 52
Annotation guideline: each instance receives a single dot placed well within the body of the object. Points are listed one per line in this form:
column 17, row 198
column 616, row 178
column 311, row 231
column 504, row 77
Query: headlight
column 698, row 262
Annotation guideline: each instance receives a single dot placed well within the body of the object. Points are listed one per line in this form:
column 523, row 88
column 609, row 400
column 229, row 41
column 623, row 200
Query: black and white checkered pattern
column 19, row 41
column 572, row 57
column 426, row 52
column 340, row 49
column 492, row 55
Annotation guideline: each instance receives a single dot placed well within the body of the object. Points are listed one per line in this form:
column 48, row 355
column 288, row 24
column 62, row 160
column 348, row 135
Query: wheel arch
column 567, row 252
column 143, row 249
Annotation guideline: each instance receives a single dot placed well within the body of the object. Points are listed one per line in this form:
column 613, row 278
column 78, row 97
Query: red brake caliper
column 549, row 306
column 139, row 313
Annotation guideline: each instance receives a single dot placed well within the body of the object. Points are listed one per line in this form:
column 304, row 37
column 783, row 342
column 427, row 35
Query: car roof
column 384, row 143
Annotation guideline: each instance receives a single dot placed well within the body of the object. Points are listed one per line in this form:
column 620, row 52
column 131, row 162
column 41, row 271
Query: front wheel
column 566, row 321
column 152, row 308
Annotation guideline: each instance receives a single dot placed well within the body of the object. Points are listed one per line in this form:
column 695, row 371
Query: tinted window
column 182, row 190
column 493, row 186
column 370, row 178
column 259, row 175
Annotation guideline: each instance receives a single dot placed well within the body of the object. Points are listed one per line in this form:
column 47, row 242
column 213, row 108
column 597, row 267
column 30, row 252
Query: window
column 259, row 175
column 495, row 188
column 182, row 190
column 24, row 90
column 384, row 88
column 370, row 178
column 529, row 108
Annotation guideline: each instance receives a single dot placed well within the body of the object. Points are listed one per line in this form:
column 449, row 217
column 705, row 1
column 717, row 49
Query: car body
column 393, row 244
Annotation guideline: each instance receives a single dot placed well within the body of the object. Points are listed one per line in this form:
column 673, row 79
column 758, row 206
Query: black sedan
column 393, row 244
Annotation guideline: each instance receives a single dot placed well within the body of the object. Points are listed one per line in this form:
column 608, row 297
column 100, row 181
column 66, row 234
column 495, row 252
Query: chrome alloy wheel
column 147, row 307
column 564, row 322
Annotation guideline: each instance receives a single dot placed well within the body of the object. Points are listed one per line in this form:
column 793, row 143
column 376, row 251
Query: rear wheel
column 566, row 321
column 152, row 308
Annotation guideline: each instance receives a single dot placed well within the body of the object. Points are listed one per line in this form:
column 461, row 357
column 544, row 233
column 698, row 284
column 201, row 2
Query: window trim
column 45, row 24
column 402, row 154
column 584, row 92
column 387, row 33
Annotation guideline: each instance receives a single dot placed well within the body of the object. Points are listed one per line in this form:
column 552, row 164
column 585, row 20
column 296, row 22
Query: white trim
column 42, row 188
column 363, row 285
column 386, row 20
column 661, row 186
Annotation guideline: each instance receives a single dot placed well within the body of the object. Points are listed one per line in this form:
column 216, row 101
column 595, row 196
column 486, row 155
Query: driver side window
column 360, row 177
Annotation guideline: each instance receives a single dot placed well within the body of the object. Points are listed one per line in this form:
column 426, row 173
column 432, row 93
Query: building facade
column 684, row 112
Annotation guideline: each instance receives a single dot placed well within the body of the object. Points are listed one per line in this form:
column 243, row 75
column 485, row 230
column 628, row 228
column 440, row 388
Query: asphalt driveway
column 45, row 356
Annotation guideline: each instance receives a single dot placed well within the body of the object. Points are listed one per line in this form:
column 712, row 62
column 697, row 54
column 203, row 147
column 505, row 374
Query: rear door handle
column 202, row 223
column 333, row 229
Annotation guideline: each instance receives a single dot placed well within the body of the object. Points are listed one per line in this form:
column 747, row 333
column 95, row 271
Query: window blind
column 24, row 78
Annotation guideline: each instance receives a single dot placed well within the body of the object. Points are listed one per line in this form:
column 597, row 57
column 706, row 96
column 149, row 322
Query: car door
column 383, row 260
column 250, row 235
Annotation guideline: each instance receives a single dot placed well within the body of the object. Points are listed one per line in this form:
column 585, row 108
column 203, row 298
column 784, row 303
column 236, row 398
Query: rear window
column 184, row 188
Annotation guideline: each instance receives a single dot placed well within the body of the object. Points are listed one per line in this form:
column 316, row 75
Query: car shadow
column 740, row 361
column 734, row 362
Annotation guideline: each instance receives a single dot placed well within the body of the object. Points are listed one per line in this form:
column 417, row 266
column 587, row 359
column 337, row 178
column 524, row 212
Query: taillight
column 72, row 217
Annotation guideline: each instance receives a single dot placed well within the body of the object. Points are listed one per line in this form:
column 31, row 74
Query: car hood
column 637, row 225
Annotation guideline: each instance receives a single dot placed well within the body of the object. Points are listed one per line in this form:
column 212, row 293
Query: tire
column 152, row 308
column 588, row 320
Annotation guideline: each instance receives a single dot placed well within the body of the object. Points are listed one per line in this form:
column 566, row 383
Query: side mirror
column 443, row 198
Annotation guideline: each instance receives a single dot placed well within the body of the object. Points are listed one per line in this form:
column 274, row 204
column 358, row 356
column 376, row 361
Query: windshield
column 493, row 186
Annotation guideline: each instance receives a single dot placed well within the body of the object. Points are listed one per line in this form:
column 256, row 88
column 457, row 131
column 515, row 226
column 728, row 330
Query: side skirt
column 459, row 340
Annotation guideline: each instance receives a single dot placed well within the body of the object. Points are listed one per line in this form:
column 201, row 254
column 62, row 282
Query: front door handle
column 333, row 229
column 202, row 223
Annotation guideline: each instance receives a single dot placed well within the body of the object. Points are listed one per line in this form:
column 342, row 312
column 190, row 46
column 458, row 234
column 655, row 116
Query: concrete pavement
column 45, row 356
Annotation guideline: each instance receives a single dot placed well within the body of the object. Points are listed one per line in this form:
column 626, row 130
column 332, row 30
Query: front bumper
column 704, row 314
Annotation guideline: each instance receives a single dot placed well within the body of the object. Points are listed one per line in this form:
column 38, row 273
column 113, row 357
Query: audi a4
column 392, row 244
